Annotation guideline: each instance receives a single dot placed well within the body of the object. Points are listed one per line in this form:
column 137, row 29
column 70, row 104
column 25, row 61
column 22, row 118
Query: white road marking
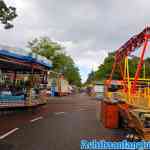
column 35, row 119
column 58, row 113
column 8, row 133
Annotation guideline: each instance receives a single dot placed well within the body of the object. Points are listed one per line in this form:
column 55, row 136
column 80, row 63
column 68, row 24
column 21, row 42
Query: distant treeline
column 104, row 70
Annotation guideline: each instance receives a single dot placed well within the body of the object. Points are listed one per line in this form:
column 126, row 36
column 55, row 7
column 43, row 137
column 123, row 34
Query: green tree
column 62, row 63
column 65, row 64
column 7, row 14
column 105, row 69
column 91, row 77
column 45, row 47
column 147, row 67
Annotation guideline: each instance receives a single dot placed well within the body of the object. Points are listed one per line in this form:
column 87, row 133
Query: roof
column 24, row 55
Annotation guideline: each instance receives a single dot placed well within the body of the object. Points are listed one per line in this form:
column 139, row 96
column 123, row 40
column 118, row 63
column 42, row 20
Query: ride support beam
column 141, row 62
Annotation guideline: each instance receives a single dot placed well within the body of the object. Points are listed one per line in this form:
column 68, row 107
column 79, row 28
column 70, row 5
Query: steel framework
column 125, row 50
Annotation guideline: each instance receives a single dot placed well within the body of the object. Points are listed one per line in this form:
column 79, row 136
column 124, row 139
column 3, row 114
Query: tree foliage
column 62, row 63
column 105, row 69
column 7, row 14
column 45, row 47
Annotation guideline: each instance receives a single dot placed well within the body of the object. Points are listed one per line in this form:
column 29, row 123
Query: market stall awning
column 24, row 57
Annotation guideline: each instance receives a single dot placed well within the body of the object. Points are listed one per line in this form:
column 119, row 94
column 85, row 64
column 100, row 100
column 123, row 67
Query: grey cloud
column 91, row 25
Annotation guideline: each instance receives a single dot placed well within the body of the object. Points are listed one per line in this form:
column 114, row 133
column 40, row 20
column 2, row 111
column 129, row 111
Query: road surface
column 60, row 125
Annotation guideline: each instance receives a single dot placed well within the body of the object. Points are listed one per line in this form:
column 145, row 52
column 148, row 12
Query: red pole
column 139, row 67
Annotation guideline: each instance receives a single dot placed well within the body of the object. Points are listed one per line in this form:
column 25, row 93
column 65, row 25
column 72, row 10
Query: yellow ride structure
column 134, row 92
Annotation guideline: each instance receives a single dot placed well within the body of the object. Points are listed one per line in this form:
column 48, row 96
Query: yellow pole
column 126, row 76
column 125, row 69
column 144, row 78
column 148, row 88
column 144, row 70
column 148, row 95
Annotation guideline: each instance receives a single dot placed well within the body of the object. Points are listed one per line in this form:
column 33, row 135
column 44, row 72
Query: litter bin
column 110, row 114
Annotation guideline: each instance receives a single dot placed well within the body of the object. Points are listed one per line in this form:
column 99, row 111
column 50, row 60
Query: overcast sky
column 89, row 29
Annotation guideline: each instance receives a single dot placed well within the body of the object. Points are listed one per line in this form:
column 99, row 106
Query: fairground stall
column 23, row 78
column 58, row 85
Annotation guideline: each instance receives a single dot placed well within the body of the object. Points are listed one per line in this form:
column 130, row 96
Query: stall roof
column 24, row 55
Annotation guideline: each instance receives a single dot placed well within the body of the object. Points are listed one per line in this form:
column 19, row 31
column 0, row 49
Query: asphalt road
column 60, row 125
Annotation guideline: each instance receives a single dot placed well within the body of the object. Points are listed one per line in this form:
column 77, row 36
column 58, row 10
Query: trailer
column 63, row 86
column 59, row 86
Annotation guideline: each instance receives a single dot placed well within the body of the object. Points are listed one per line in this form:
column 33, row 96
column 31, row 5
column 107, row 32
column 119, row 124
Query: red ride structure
column 126, row 49
column 127, row 101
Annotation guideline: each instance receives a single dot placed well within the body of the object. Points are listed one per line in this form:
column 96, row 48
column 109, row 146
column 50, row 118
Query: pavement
column 59, row 125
